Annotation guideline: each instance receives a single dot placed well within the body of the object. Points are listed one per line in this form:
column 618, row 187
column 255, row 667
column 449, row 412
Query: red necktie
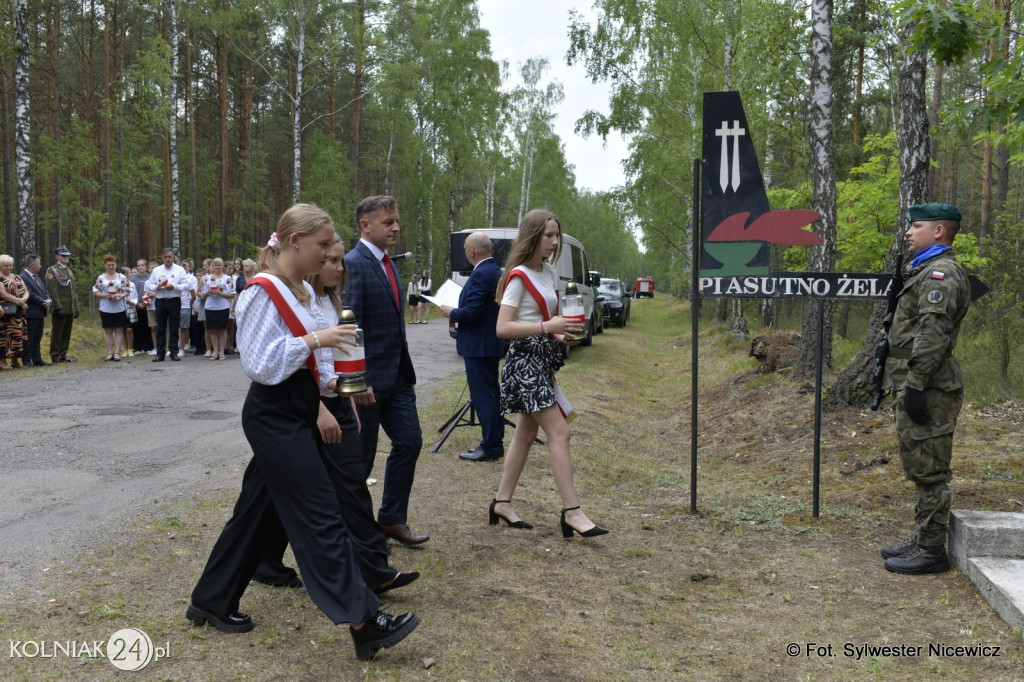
column 394, row 282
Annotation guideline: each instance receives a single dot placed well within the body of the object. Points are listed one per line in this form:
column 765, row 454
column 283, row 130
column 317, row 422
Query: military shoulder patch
column 938, row 274
column 934, row 296
column 49, row 274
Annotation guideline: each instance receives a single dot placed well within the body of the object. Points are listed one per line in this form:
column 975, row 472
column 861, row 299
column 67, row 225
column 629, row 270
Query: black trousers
column 344, row 462
column 33, row 338
column 197, row 334
column 287, row 480
column 168, row 316
column 142, row 340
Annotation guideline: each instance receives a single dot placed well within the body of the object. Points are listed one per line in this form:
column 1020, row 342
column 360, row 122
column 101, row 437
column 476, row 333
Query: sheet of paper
column 448, row 294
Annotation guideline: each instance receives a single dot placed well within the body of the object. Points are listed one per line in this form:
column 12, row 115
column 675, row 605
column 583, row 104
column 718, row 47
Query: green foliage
column 327, row 178
column 867, row 208
column 950, row 30
column 999, row 311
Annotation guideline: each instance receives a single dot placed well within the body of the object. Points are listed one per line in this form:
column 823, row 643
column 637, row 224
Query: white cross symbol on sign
column 725, row 132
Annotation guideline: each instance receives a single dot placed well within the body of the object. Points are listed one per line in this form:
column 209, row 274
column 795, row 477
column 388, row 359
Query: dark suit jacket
column 37, row 295
column 368, row 294
column 477, row 314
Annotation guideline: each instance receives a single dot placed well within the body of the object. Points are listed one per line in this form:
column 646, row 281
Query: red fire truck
column 644, row 287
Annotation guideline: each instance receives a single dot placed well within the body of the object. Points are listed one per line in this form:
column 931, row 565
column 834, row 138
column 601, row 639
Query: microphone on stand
column 407, row 254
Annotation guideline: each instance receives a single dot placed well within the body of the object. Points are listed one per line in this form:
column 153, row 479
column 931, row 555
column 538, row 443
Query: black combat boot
column 890, row 551
column 919, row 561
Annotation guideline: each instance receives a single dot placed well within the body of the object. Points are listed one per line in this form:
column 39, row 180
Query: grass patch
column 716, row 595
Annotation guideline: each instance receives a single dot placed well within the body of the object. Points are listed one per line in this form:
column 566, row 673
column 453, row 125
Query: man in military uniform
column 927, row 381
column 60, row 284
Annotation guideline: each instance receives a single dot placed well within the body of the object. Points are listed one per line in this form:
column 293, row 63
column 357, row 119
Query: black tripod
column 459, row 419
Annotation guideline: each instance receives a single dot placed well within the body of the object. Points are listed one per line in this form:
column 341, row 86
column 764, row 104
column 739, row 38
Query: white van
column 572, row 266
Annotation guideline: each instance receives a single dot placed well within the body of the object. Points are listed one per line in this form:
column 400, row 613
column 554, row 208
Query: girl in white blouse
column 528, row 315
column 412, row 292
column 218, row 292
column 424, row 290
column 284, row 340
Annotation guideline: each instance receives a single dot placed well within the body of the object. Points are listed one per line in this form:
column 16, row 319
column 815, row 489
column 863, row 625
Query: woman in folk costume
column 284, row 339
column 528, row 296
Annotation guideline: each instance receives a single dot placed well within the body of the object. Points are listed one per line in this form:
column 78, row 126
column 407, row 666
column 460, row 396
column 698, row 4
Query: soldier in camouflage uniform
column 927, row 381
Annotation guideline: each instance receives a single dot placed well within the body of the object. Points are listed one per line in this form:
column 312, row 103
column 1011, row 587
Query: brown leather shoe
column 400, row 532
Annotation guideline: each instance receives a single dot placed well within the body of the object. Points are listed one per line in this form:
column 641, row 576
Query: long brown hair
column 303, row 220
column 334, row 293
column 523, row 248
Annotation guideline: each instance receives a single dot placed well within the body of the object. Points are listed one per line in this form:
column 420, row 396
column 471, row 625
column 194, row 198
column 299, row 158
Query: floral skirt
column 528, row 377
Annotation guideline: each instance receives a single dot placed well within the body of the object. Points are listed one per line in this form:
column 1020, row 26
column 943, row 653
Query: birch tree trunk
column 297, row 115
column 172, row 133
column 190, row 113
column 22, row 130
column 823, row 181
column 357, row 93
column 524, row 188
column 5, row 141
column 853, row 386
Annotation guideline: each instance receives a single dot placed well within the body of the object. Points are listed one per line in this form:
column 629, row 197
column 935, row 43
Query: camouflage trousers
column 926, row 451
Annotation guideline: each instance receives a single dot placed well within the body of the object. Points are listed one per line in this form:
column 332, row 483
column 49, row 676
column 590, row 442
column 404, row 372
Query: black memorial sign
column 841, row 285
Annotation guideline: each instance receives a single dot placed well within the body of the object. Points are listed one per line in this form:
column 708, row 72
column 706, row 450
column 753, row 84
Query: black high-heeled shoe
column 512, row 524
column 567, row 530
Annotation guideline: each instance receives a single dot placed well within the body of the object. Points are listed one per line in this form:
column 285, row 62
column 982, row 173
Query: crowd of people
column 161, row 309
column 312, row 448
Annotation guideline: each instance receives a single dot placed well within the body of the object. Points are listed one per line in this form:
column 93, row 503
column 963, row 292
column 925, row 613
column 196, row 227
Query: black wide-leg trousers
column 344, row 463
column 287, row 479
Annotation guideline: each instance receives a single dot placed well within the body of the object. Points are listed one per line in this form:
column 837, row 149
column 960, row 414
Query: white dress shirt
column 191, row 283
column 176, row 275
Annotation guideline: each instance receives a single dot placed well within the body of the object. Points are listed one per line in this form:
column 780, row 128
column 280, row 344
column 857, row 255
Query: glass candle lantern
column 350, row 364
column 572, row 304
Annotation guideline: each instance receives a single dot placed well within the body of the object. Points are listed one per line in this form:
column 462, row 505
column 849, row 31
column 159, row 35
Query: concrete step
column 985, row 533
column 989, row 548
column 1001, row 582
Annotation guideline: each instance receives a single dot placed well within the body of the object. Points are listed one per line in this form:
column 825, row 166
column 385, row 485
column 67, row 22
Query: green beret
column 933, row 212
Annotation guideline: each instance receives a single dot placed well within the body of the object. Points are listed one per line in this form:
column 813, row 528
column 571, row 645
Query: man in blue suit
column 374, row 293
column 38, row 305
column 479, row 345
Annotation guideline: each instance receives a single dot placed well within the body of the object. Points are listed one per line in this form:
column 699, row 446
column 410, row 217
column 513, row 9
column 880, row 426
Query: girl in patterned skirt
column 528, row 297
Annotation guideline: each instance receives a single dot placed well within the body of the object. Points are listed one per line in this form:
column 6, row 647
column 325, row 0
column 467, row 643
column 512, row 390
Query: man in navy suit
column 478, row 344
column 374, row 293
column 38, row 305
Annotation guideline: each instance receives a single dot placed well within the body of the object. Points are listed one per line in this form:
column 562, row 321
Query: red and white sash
column 291, row 311
column 533, row 286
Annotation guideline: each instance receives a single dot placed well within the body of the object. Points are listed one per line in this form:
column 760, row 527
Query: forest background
column 134, row 124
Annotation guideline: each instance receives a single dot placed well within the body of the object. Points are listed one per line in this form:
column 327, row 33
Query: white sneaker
column 167, row 354
column 152, row 352
column 208, row 353
column 181, row 353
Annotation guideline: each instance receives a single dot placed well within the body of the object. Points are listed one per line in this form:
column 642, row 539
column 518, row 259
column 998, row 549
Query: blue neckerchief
column 927, row 253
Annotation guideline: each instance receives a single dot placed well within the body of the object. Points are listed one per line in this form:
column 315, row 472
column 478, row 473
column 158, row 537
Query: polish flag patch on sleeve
column 938, row 274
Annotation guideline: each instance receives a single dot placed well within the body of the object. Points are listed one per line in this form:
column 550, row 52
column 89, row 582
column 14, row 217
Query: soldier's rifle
column 882, row 349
